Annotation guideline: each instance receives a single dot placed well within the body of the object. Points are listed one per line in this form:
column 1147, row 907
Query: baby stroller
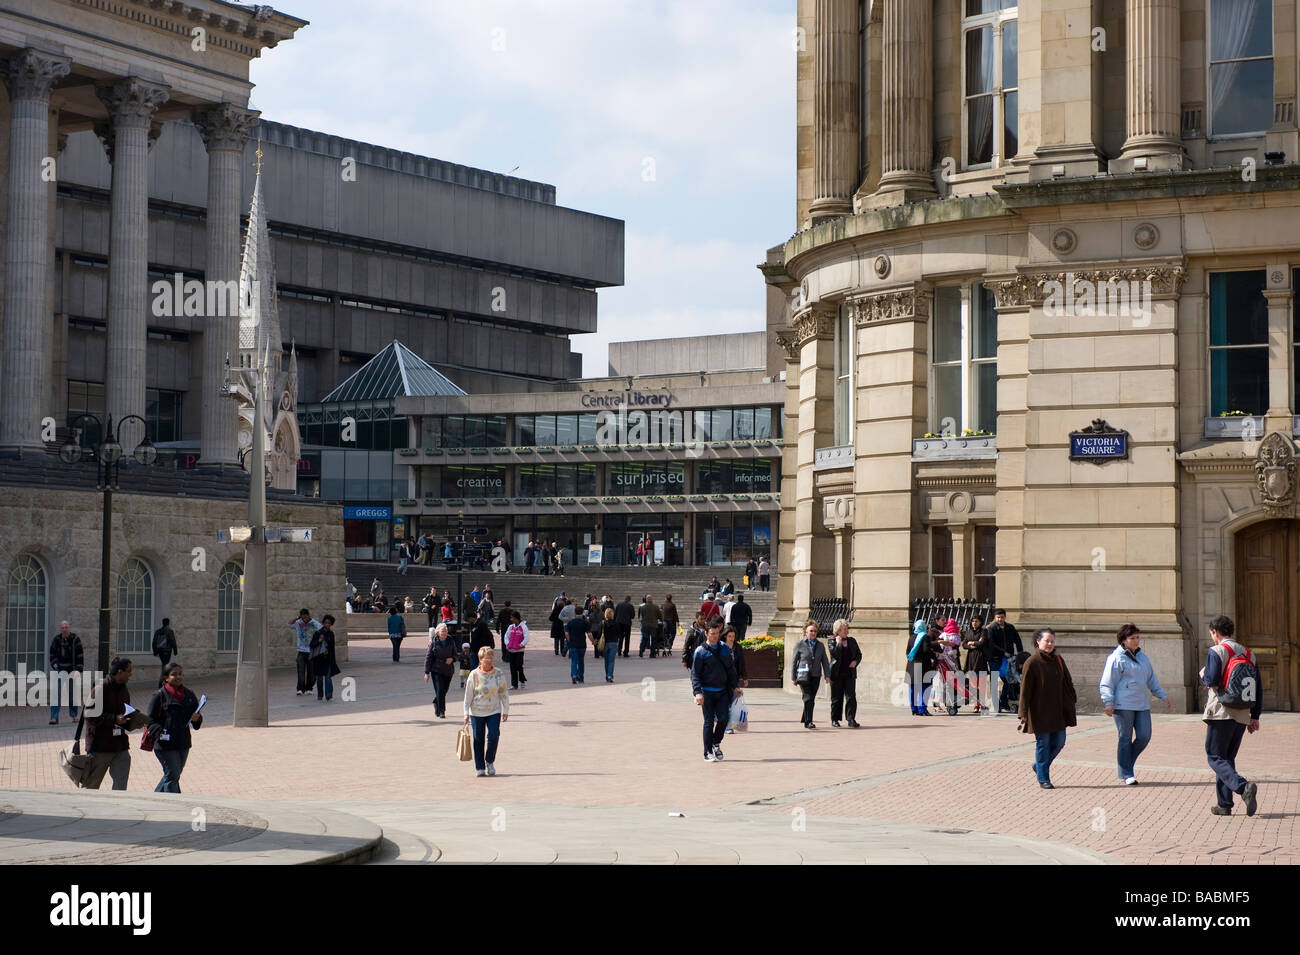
column 1011, row 672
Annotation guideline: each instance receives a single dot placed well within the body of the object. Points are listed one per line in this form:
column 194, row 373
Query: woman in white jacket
column 1126, row 680
column 516, row 639
column 487, row 705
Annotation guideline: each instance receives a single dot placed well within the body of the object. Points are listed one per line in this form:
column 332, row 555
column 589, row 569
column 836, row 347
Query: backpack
column 1241, row 685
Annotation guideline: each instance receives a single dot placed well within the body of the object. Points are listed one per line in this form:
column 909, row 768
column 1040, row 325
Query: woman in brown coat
column 1047, row 701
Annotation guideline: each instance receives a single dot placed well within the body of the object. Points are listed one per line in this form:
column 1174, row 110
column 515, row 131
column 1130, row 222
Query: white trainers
column 1131, row 781
column 480, row 773
column 491, row 770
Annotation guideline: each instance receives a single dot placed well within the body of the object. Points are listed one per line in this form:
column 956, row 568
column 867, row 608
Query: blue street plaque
column 1099, row 443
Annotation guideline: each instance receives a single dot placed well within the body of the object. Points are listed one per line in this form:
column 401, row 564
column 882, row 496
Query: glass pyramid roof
column 396, row 372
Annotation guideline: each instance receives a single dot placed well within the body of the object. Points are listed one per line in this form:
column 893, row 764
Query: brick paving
column 637, row 744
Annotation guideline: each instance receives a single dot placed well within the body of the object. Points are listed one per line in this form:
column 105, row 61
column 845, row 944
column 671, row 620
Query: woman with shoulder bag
column 487, row 705
column 439, row 665
column 172, row 711
column 1047, row 703
column 323, row 662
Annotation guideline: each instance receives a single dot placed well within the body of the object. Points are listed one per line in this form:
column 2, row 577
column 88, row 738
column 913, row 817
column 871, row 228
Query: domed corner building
column 1039, row 324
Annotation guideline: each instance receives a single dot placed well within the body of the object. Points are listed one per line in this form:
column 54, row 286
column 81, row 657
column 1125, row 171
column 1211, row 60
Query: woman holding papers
column 172, row 711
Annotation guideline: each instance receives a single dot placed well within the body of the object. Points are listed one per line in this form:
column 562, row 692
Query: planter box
column 1250, row 426
column 984, row 447
column 764, row 668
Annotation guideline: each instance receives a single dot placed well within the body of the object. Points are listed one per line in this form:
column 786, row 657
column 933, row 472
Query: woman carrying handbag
column 323, row 662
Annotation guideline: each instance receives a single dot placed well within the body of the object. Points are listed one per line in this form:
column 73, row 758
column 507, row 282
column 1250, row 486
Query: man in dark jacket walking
column 105, row 738
column 66, row 656
column 713, row 681
column 845, row 657
column 480, row 634
column 742, row 615
column 650, row 617
column 808, row 665
column 1004, row 643
column 624, row 614
column 164, row 645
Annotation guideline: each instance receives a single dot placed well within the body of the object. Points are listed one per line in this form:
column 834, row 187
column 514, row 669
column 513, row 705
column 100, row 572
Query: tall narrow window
column 844, row 378
column 135, row 608
column 1240, row 67
column 1238, row 343
column 964, row 348
column 990, row 82
column 229, row 600
column 940, row 562
column 986, row 562
column 26, row 610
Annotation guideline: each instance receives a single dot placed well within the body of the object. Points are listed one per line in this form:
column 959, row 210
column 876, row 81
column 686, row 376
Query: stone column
column 812, row 560
column 835, row 121
column 961, row 558
column 131, row 104
column 907, row 103
column 1279, row 298
column 1152, row 76
column 29, row 76
column 837, row 515
column 1070, row 119
column 225, row 130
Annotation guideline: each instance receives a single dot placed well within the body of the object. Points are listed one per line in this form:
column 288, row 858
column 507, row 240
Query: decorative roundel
column 882, row 266
column 1064, row 241
column 959, row 502
column 1277, row 277
column 1146, row 236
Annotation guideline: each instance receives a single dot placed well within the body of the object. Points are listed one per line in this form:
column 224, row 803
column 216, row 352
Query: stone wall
column 62, row 529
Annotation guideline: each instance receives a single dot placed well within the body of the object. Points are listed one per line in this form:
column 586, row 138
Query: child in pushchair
column 1011, row 672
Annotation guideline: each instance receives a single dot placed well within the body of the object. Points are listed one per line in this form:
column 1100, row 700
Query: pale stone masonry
column 1140, row 172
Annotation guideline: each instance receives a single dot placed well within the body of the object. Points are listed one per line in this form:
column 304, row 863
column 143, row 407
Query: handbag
column 77, row 766
column 600, row 644
column 464, row 745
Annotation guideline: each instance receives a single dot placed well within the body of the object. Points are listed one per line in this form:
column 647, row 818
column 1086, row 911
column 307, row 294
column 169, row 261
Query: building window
column 940, row 562
column 964, row 370
column 989, row 102
column 986, row 562
column 26, row 627
column 230, row 594
column 163, row 413
column 1238, row 343
column 1240, row 75
column 844, row 378
column 135, row 608
column 86, row 397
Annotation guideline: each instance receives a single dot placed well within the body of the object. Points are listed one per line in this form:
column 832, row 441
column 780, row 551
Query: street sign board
column 473, row 531
column 296, row 535
column 234, row 535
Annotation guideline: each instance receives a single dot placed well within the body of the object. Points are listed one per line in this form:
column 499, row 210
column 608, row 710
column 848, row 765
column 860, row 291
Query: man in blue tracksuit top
column 713, row 680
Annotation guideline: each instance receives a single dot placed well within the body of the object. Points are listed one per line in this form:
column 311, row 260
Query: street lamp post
column 252, row 704
column 108, row 456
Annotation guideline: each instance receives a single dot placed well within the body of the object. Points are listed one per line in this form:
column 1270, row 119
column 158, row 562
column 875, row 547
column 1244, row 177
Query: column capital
column 817, row 321
column 30, row 74
column 133, row 101
column 226, row 127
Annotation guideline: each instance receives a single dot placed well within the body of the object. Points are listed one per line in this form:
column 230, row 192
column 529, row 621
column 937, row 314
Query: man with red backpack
column 1231, row 710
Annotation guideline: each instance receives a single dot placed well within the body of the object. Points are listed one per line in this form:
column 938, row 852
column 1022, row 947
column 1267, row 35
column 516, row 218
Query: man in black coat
column 742, row 615
column 1005, row 643
column 845, row 657
column 624, row 614
column 480, row 634
column 164, row 645
column 66, row 656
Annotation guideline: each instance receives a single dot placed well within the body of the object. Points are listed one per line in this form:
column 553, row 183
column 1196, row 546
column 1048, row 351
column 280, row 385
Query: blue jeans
column 324, row 686
column 1134, row 734
column 1049, row 746
column 173, row 764
column 611, row 654
column 577, row 661
column 401, row 568
column 57, row 697
column 717, row 710
column 492, row 725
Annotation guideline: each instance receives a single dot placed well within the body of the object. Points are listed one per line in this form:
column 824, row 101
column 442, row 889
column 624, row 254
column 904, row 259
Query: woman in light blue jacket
column 1125, row 680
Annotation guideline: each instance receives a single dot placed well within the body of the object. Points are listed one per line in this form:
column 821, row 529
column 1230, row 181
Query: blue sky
column 581, row 94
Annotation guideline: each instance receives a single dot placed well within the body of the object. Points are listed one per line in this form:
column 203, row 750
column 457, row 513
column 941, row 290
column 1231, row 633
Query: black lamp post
column 108, row 456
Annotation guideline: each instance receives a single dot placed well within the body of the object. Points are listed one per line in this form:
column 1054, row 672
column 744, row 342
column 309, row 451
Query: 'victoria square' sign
column 1099, row 443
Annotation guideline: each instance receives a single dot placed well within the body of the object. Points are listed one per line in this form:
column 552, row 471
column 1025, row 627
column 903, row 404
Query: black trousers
column 844, row 698
column 625, row 638
column 517, row 669
column 306, row 679
column 441, row 681
column 164, row 658
column 1222, row 741
column 716, row 709
column 809, row 691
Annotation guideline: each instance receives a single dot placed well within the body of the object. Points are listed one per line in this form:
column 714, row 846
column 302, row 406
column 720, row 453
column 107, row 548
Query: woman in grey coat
column 808, row 664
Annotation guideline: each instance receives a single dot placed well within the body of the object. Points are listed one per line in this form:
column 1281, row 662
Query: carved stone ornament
column 892, row 306
column 837, row 512
column 1018, row 291
column 226, row 127
column 1064, row 241
column 31, row 75
column 1026, row 290
column 1275, row 473
column 815, row 321
column 882, row 266
column 1146, row 236
column 789, row 343
column 132, row 102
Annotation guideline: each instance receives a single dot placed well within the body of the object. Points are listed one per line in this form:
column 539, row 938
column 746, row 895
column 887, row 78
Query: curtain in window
column 1230, row 27
column 979, row 80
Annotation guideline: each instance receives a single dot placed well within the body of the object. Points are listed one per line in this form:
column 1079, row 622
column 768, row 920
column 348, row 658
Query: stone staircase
column 533, row 594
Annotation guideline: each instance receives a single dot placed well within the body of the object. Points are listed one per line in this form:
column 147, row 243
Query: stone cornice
column 1176, row 184
column 31, row 75
column 816, row 321
column 909, row 303
column 964, row 480
column 246, row 30
column 1030, row 288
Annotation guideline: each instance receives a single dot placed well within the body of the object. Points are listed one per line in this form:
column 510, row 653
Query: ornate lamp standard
column 108, row 455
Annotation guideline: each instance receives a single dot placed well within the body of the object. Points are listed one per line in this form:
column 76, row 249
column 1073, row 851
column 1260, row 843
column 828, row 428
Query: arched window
column 135, row 608
column 229, row 600
column 26, row 626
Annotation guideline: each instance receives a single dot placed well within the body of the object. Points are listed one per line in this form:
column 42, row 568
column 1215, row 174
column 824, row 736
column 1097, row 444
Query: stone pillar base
column 830, row 208
column 895, row 191
column 1079, row 162
column 1161, row 155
